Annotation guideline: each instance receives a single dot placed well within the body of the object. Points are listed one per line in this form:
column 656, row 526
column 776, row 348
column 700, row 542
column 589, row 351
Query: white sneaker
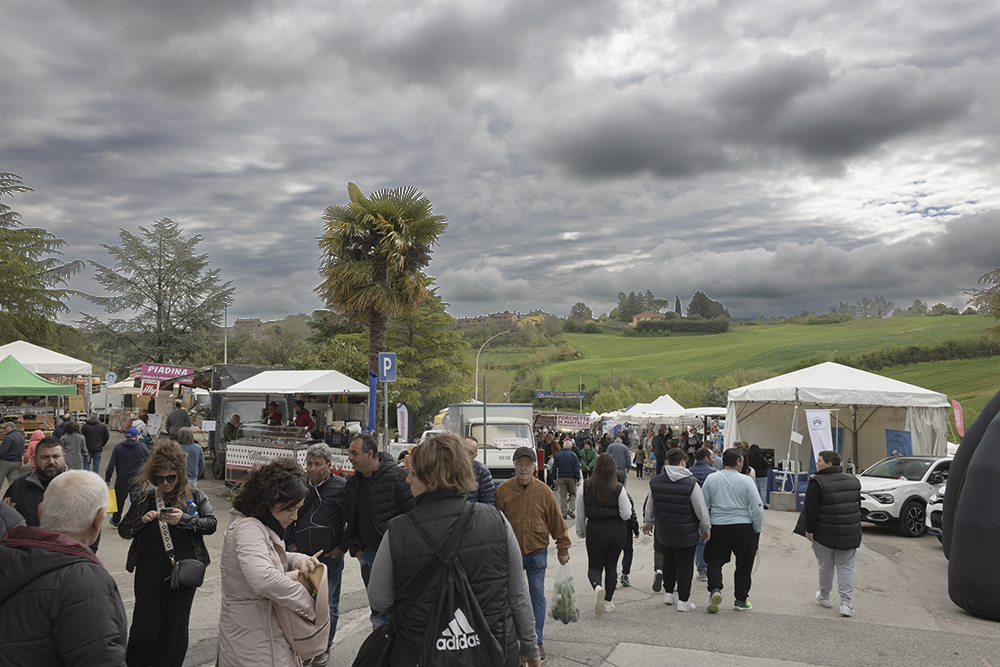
column 846, row 609
column 685, row 606
column 825, row 601
column 599, row 600
column 609, row 606
column 668, row 598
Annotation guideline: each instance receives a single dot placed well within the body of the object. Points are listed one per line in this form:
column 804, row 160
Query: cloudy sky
column 779, row 156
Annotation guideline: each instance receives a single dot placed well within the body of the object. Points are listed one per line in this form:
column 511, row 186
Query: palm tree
column 374, row 249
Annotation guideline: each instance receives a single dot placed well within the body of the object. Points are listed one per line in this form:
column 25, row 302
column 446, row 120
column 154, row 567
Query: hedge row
column 904, row 355
column 687, row 326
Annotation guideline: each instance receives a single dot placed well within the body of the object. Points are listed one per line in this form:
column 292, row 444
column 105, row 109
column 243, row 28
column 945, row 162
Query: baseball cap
column 131, row 432
column 524, row 451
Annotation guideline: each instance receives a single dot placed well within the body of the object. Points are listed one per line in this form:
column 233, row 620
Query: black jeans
column 627, row 552
column 605, row 540
column 678, row 566
column 740, row 540
column 159, row 632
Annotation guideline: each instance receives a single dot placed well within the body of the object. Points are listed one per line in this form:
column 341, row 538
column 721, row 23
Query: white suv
column 894, row 491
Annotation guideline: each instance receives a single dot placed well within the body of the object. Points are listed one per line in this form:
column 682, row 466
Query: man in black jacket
column 58, row 605
column 831, row 520
column 375, row 493
column 320, row 527
column 97, row 434
column 27, row 491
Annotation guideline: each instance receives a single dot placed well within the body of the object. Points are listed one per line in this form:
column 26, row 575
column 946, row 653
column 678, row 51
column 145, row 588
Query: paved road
column 904, row 616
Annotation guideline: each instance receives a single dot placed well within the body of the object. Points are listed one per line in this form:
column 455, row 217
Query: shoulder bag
column 186, row 573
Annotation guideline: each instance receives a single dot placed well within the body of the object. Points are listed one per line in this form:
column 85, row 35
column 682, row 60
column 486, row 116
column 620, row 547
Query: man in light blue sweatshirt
column 737, row 517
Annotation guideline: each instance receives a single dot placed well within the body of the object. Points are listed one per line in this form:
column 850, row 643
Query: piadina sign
column 161, row 372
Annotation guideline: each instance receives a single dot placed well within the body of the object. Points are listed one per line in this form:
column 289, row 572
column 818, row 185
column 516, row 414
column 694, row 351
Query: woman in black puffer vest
column 440, row 477
column 602, row 511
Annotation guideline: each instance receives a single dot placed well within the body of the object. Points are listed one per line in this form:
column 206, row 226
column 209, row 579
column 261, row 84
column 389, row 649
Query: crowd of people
column 409, row 527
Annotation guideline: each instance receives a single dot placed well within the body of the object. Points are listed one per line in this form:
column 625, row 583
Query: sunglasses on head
column 158, row 479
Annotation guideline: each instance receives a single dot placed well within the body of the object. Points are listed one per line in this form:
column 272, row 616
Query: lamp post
column 477, row 362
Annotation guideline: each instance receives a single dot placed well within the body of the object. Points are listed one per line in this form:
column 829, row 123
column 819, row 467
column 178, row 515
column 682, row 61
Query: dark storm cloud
column 779, row 156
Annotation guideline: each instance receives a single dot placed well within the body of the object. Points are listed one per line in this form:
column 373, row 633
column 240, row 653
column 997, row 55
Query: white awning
column 297, row 382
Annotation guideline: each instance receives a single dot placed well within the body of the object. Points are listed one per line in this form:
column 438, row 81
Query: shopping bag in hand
column 112, row 501
column 564, row 607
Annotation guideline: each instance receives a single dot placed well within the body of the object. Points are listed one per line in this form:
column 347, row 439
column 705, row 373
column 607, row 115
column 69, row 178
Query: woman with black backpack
column 450, row 571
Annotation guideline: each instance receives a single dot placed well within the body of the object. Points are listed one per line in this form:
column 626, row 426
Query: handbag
column 187, row 572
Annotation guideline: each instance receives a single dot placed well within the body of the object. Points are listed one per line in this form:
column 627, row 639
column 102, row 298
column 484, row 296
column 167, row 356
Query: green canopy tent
column 16, row 380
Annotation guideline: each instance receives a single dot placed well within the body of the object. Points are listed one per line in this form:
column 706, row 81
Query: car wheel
column 912, row 520
column 219, row 465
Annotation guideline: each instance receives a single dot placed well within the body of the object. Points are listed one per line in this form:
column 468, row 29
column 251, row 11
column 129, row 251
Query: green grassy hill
column 703, row 358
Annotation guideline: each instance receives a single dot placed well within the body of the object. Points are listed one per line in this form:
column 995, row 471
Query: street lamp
column 477, row 360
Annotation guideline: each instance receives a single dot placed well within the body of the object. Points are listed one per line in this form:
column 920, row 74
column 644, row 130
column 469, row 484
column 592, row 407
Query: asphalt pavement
column 904, row 616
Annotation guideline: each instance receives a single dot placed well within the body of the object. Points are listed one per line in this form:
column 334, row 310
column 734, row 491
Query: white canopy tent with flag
column 863, row 404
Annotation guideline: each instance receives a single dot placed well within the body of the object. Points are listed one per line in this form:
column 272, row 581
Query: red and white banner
column 562, row 421
column 150, row 387
column 959, row 420
column 402, row 422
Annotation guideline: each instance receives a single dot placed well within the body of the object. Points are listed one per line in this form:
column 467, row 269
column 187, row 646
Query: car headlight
column 883, row 497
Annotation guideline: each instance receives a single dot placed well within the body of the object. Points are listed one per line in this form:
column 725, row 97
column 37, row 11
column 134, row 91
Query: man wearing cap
column 271, row 416
column 127, row 458
column 529, row 503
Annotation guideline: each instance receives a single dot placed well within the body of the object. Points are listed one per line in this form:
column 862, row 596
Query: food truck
column 336, row 403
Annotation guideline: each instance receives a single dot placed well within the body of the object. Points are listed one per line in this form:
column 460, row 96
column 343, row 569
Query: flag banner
column 402, row 422
column 959, row 420
column 819, row 431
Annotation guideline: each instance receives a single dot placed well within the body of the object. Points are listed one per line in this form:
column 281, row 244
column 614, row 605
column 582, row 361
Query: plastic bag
column 112, row 501
column 564, row 607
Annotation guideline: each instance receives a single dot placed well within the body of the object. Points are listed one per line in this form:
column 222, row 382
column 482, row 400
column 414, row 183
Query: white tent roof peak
column 836, row 384
column 298, row 382
column 42, row 361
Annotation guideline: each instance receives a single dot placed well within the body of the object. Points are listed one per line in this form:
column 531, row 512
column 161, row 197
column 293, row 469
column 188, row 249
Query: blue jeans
column 334, row 575
column 534, row 567
column 95, row 462
column 699, row 556
column 762, row 489
column 366, row 559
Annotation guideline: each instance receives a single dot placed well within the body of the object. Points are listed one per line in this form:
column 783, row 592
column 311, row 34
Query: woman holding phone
column 159, row 632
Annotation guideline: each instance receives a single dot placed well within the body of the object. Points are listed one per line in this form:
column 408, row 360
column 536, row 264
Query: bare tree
column 843, row 308
column 882, row 308
column 864, row 307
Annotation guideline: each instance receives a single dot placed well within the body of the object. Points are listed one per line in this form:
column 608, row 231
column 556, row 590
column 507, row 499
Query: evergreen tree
column 30, row 275
column 175, row 300
column 677, row 305
column 702, row 306
column 431, row 360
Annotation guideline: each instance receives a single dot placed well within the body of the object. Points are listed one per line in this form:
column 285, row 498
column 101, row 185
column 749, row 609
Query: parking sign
column 386, row 366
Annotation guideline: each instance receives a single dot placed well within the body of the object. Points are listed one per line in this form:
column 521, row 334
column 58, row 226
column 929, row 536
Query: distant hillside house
column 467, row 322
column 646, row 316
column 535, row 317
column 506, row 317
column 246, row 324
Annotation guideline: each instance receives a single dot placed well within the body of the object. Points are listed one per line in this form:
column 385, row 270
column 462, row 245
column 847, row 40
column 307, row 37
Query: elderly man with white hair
column 58, row 605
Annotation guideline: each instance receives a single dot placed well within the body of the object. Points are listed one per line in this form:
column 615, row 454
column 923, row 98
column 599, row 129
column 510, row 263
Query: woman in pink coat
column 257, row 571
column 29, row 451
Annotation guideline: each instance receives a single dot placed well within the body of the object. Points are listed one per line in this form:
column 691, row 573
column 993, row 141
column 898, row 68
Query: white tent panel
column 44, row 362
column 297, row 382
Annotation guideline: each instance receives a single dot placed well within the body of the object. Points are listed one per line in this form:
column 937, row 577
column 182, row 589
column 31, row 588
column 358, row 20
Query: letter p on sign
column 387, row 366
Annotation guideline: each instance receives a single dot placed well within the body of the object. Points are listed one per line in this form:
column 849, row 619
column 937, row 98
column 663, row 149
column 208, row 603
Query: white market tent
column 663, row 410
column 41, row 361
column 863, row 404
column 297, row 382
column 126, row 386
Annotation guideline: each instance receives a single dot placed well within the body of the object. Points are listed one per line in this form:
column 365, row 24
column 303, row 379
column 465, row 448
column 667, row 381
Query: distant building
column 247, row 324
column 646, row 316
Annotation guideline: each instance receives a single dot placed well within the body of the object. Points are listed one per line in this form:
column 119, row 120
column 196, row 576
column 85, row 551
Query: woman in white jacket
column 257, row 571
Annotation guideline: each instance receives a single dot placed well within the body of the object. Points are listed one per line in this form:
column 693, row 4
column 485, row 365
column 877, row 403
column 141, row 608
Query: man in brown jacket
column 529, row 505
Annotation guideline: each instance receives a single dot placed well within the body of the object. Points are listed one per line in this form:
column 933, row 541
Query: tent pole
column 795, row 429
column 854, row 426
